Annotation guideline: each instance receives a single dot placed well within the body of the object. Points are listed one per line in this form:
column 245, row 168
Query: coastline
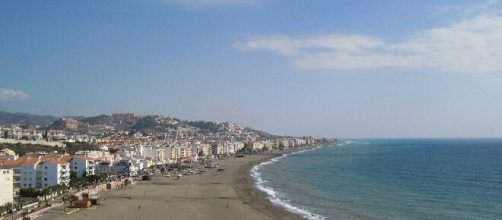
column 229, row 195
column 248, row 191
column 270, row 194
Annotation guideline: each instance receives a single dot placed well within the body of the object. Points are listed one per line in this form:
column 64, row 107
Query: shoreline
column 230, row 194
column 290, row 209
column 258, row 199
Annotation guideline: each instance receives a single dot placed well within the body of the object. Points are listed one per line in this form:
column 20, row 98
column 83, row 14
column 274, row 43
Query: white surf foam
column 272, row 195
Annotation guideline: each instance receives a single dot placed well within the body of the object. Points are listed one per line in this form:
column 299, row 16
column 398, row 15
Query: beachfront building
column 82, row 166
column 103, row 167
column 256, row 145
column 16, row 173
column 124, row 168
column 7, row 186
column 53, row 172
column 155, row 153
column 205, row 149
column 238, row 146
column 180, row 152
column 167, row 154
column 195, row 152
column 218, row 149
column 40, row 174
column 28, row 168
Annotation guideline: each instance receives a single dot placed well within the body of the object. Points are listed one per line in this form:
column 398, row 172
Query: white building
column 28, row 170
column 218, row 149
column 124, row 167
column 7, row 183
column 40, row 174
column 155, row 153
column 82, row 165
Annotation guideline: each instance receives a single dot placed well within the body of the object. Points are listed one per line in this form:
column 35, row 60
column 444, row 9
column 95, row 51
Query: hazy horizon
column 363, row 69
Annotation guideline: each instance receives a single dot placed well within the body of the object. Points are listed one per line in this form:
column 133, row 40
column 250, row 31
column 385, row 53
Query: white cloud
column 206, row 3
column 12, row 95
column 289, row 46
column 473, row 45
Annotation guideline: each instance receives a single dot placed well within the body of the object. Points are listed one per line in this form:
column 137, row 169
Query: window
column 45, row 179
column 76, row 168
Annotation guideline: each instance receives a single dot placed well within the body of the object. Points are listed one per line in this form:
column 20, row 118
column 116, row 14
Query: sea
column 388, row 179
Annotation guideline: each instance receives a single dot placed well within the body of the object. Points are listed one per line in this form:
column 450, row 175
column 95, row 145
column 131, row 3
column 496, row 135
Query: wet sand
column 229, row 195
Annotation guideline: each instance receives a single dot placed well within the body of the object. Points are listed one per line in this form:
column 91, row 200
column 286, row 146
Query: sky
column 326, row 68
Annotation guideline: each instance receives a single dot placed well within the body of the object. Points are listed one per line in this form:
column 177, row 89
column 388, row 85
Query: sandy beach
column 229, row 195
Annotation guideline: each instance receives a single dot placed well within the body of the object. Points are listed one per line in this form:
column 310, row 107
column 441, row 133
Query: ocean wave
column 272, row 195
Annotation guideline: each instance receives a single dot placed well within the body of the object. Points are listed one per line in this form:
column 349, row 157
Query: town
column 42, row 161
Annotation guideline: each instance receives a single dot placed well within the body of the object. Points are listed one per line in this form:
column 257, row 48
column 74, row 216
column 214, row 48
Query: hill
column 25, row 119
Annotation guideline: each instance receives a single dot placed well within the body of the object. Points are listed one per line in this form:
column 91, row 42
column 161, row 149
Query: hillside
column 150, row 124
column 25, row 119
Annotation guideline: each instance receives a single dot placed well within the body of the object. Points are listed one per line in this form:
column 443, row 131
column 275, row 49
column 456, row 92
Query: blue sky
column 324, row 68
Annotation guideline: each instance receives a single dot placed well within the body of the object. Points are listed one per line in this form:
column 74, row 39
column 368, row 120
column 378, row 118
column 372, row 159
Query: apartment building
column 83, row 166
column 7, row 183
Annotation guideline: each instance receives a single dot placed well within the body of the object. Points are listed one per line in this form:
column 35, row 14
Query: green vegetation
column 145, row 123
column 70, row 148
column 22, row 149
column 100, row 119
column 85, row 180
column 32, row 192
column 6, row 208
column 73, row 147
column 205, row 126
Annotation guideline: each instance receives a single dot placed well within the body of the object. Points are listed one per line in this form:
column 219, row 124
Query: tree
column 92, row 179
column 45, row 135
column 29, row 192
column 5, row 134
column 201, row 154
column 6, row 208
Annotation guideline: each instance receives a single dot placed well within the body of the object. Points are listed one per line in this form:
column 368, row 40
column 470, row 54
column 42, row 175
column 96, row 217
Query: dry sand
column 193, row 197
